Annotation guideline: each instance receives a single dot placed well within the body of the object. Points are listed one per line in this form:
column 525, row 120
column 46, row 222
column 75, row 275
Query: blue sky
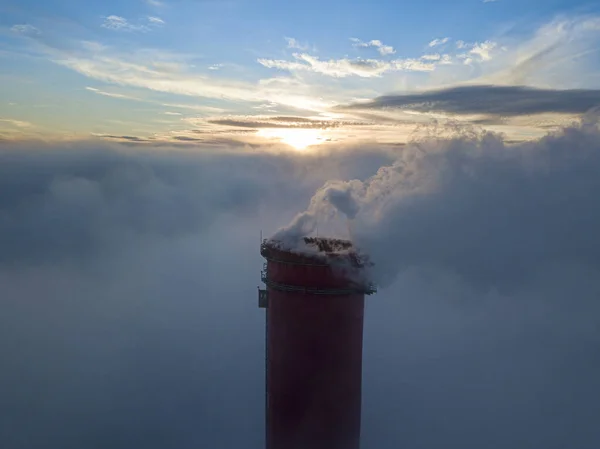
column 157, row 70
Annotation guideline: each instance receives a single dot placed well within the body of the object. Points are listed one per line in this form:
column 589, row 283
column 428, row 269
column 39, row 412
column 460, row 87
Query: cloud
column 438, row 41
column 75, row 270
column 68, row 209
column 293, row 43
column 303, row 84
column 110, row 94
column 116, row 262
column 489, row 1
column 492, row 215
column 341, row 68
column 492, row 100
column 25, row 29
column 110, row 190
column 432, row 57
column 156, row 20
column 377, row 44
column 167, row 72
column 187, row 139
column 109, row 276
column 118, row 23
column 481, row 50
column 155, row 3
column 122, row 138
column 559, row 54
column 280, row 122
column 195, row 107
column 93, row 46
column 172, row 113
column 17, row 123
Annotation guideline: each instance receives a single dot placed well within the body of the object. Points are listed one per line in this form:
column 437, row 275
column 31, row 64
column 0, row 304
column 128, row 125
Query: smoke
column 491, row 213
column 334, row 197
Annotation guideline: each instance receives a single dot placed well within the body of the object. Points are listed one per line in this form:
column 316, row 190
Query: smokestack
column 314, row 326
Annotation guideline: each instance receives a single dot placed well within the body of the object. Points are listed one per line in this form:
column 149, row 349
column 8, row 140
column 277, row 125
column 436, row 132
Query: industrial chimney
column 314, row 302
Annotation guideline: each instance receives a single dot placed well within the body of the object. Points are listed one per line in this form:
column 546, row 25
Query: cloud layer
column 128, row 284
column 491, row 100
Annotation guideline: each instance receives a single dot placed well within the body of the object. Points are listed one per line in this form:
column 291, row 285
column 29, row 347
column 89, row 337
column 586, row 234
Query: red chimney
column 314, row 328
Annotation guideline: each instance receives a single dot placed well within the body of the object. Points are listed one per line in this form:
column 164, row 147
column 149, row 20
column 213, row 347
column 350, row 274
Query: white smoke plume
column 490, row 212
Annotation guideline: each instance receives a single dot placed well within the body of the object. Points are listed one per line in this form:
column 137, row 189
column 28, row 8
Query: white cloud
column 172, row 113
column 446, row 59
column 483, row 50
column 478, row 51
column 215, row 66
column 17, row 123
column 93, row 46
column 341, row 68
column 489, row 1
column 439, row 41
column 155, row 3
column 110, row 94
column 282, row 64
column 375, row 43
column 293, row 43
column 165, row 72
column 560, row 54
column 175, row 73
column 118, row 23
column 195, row 107
column 25, row 29
column 156, row 20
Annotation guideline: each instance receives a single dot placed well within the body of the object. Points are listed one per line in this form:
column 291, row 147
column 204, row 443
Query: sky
column 145, row 147
column 267, row 72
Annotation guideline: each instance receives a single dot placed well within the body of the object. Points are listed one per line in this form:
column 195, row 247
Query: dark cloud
column 491, row 100
column 213, row 141
column 292, row 119
column 128, row 138
column 187, row 139
column 281, row 122
column 233, row 132
column 128, row 282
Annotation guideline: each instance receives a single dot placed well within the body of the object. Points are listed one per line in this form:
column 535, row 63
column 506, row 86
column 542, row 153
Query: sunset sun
column 299, row 139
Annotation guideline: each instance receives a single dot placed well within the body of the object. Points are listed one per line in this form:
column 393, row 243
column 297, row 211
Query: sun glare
column 300, row 139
